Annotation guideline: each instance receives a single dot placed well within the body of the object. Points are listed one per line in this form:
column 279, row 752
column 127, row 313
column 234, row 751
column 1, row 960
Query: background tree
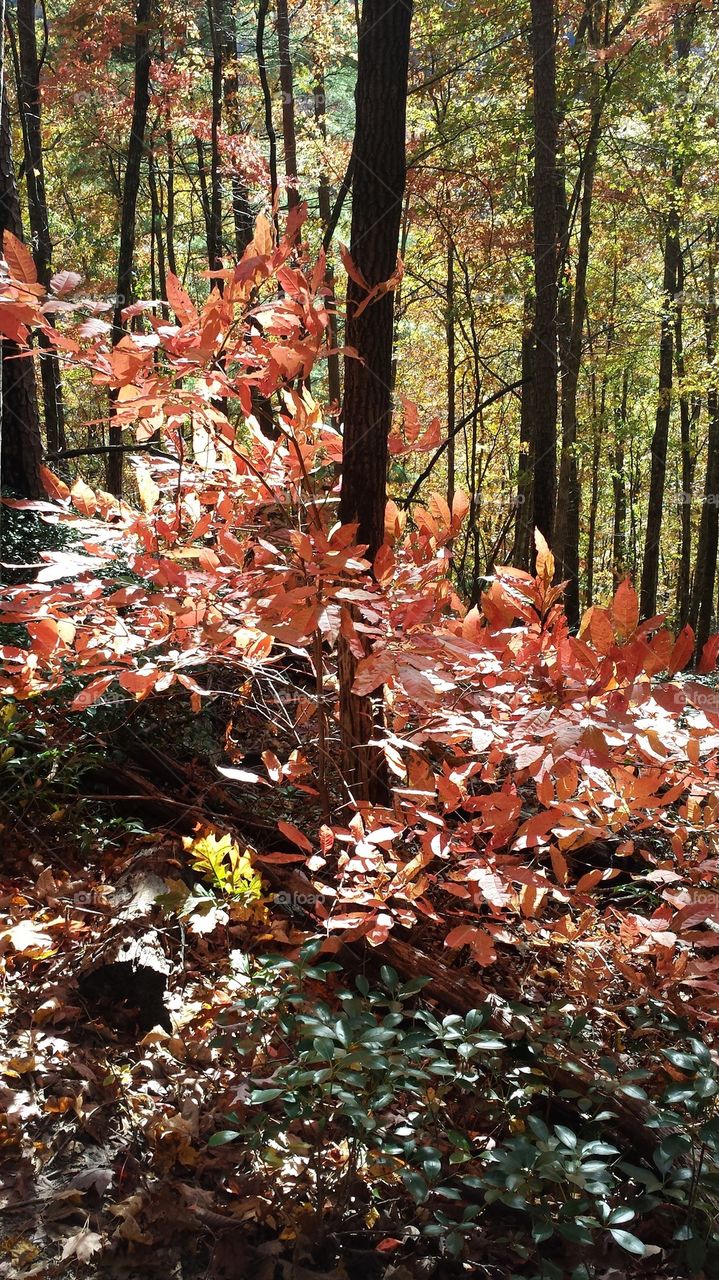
column 29, row 102
column 124, row 293
column 21, row 454
column 378, row 190
column 544, row 196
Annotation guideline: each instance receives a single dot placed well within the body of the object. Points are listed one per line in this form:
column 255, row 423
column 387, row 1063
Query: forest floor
column 112, row 1080
column 107, row 1114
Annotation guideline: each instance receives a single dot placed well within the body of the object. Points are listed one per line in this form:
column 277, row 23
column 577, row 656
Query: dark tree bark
column 225, row 87
column 131, row 184
column 660, row 438
column 203, row 181
column 214, row 210
column 241, row 211
column 379, row 181
column 157, row 221
column 30, row 106
column 566, row 536
column 544, row 197
column 288, row 103
column 21, row 449
column 262, row 10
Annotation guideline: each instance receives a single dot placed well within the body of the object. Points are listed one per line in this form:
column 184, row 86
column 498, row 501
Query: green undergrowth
column 366, row 1107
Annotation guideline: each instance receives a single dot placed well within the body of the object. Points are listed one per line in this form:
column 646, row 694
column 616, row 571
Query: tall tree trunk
column 544, row 195
column 379, row 180
column 593, row 509
column 702, row 606
column 203, row 183
column 566, row 537
column 214, row 196
column 619, row 530
column 598, row 406
column 288, row 103
column 131, row 185
column 334, row 388
column 30, row 106
column 403, row 237
column 156, row 230
column 241, row 211
column 563, row 542
column 379, row 150
column 688, row 412
column 170, row 215
column 262, row 10
column 451, row 374
column 523, row 522
column 20, row 442
column 660, row 439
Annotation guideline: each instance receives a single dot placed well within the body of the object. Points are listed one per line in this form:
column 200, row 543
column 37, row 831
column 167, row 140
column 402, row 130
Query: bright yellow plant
column 229, row 869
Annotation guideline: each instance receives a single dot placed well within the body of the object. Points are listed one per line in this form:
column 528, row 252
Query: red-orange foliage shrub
column 530, row 766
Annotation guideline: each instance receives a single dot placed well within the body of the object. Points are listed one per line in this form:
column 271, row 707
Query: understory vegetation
column 359, row 719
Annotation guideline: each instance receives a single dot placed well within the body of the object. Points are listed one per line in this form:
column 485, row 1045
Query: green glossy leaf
column 222, row 1137
column 625, row 1240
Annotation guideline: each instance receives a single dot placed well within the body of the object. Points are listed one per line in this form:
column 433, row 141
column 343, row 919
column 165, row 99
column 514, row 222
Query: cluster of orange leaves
column 516, row 749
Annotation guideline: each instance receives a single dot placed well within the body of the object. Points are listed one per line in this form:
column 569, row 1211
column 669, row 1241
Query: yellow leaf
column 545, row 559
